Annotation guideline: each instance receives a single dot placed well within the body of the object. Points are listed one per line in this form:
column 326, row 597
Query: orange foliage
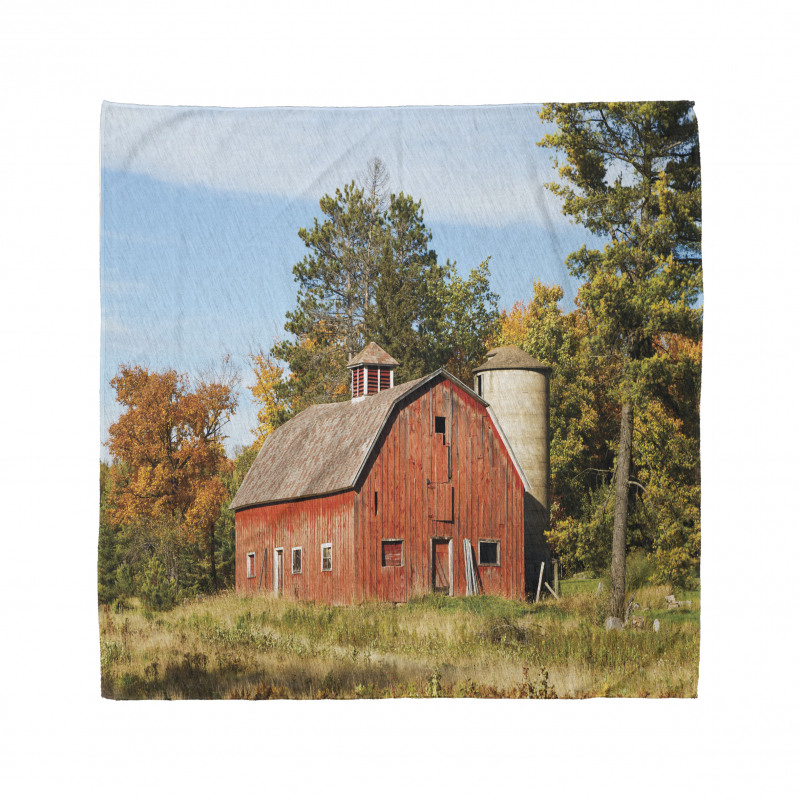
column 167, row 448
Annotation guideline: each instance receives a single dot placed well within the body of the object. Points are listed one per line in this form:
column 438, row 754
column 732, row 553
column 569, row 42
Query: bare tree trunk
column 621, row 512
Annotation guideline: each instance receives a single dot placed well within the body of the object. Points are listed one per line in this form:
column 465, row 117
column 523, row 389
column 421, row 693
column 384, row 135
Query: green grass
column 266, row 648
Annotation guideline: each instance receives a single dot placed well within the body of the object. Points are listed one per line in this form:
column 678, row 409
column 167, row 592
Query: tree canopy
column 584, row 427
column 371, row 275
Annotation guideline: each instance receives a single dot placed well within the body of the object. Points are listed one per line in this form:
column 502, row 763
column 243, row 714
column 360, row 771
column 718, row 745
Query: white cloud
column 472, row 165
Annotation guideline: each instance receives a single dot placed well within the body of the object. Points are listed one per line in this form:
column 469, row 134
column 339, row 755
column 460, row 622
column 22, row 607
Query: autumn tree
column 168, row 455
column 580, row 418
column 630, row 173
column 272, row 407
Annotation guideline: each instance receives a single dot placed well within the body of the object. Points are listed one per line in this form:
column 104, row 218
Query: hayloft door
column 442, row 566
column 278, row 571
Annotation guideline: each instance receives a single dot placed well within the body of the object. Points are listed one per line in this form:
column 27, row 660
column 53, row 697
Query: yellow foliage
column 268, row 376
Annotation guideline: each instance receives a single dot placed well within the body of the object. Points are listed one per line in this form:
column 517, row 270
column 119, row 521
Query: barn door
column 442, row 566
column 278, row 571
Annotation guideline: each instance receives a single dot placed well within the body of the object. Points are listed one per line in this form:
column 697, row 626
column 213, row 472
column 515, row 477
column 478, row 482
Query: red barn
column 403, row 490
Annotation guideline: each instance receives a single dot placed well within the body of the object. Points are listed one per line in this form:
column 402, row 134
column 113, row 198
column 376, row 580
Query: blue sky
column 201, row 207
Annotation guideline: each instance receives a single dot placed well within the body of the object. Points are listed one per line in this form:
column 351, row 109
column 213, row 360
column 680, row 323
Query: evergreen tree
column 107, row 557
column 632, row 175
column 370, row 275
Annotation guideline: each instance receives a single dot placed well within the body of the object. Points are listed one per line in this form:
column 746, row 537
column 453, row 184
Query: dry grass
column 266, row 648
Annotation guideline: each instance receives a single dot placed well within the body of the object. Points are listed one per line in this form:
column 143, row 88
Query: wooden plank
column 539, row 587
column 412, row 554
column 392, row 474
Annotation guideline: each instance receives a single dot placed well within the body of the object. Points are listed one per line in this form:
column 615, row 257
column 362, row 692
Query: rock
column 656, row 625
column 613, row 624
column 672, row 602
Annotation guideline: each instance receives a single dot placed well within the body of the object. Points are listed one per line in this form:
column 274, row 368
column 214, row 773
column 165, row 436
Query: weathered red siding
column 419, row 500
column 300, row 523
column 430, row 499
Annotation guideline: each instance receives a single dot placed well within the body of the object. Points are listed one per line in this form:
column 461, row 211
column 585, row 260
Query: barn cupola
column 371, row 371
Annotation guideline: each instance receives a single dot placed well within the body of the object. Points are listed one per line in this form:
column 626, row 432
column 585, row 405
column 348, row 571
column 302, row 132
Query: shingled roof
column 321, row 450
column 374, row 356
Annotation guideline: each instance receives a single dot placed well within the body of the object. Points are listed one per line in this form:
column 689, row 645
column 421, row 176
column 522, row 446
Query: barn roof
column 319, row 451
column 324, row 448
column 510, row 358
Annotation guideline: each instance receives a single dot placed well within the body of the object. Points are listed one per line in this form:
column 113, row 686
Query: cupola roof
column 372, row 356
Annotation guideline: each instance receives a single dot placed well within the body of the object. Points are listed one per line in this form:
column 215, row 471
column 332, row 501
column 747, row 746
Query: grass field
column 272, row 648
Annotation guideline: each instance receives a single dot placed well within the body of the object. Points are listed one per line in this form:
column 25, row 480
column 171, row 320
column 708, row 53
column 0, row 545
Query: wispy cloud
column 468, row 164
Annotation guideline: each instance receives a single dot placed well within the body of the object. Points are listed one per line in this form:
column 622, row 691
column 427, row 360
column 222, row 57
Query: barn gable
column 440, row 490
column 323, row 449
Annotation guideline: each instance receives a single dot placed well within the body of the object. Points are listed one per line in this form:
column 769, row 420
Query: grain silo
column 517, row 388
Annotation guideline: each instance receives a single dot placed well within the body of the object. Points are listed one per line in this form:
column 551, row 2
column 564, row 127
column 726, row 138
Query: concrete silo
column 517, row 388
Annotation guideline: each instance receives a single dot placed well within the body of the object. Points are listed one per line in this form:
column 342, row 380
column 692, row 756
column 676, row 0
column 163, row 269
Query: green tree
column 404, row 307
column 226, row 522
column 336, row 282
column 157, row 592
column 370, row 274
column 107, row 558
column 631, row 173
column 470, row 321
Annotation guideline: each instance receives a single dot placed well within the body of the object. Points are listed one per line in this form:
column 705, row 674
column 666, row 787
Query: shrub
column 538, row 688
column 638, row 570
column 156, row 592
column 124, row 581
column 120, row 605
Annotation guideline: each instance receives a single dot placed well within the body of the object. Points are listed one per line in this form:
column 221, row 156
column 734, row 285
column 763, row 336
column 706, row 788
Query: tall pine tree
column 370, row 274
column 631, row 174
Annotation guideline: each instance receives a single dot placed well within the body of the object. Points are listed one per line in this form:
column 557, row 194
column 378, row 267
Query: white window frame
column 253, row 562
column 322, row 557
column 489, row 563
column 299, row 571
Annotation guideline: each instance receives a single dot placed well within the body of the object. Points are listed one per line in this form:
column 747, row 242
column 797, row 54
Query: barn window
column 251, row 565
column 327, row 557
column 297, row 560
column 480, row 385
column 488, row 553
column 439, row 425
column 392, row 553
column 376, row 502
